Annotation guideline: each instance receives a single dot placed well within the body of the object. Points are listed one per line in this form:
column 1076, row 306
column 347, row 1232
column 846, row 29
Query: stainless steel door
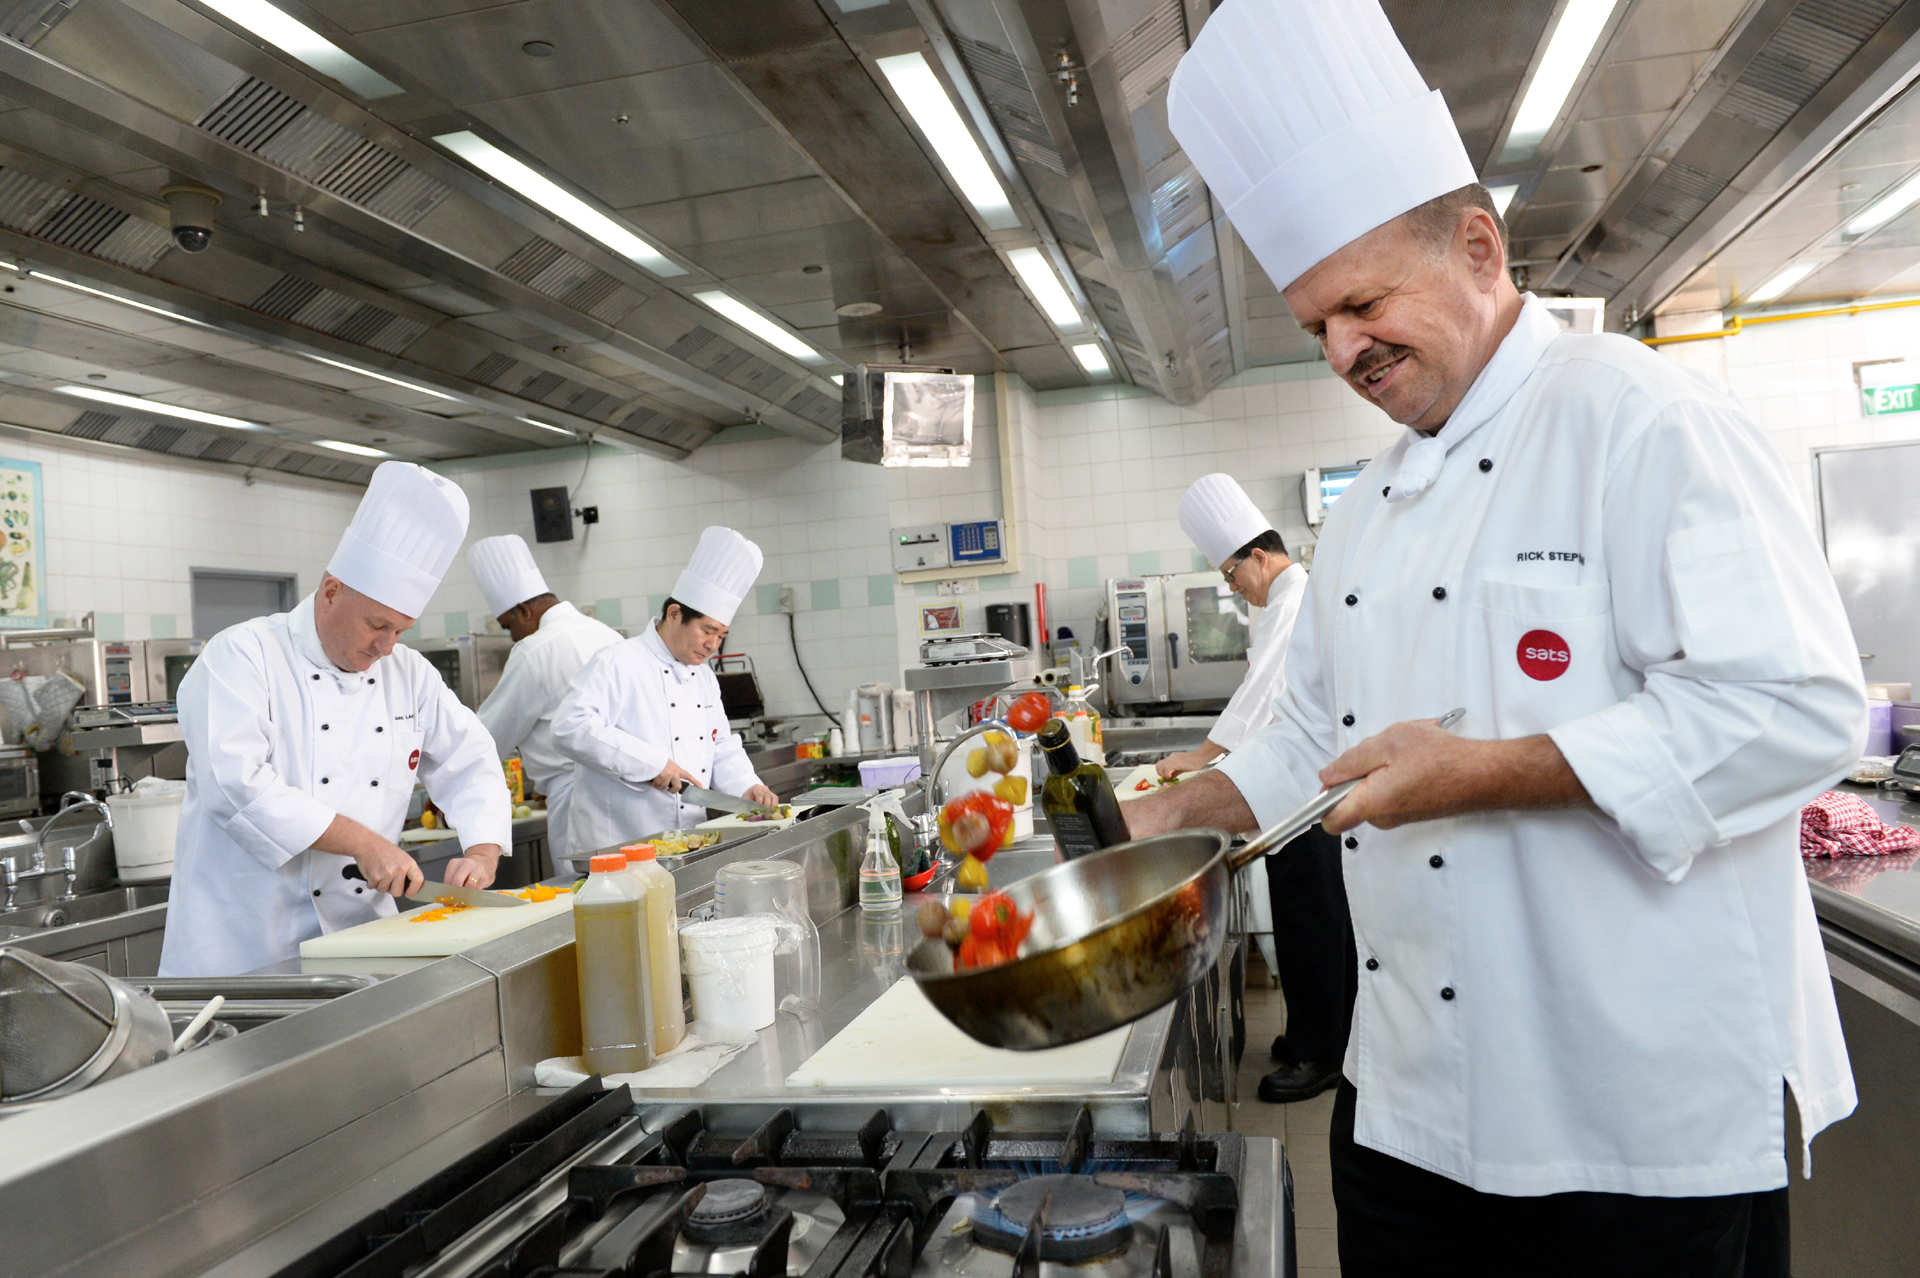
column 1207, row 636
column 1868, row 502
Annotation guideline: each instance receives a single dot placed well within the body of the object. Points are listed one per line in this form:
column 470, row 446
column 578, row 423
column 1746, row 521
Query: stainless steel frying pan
column 1116, row 935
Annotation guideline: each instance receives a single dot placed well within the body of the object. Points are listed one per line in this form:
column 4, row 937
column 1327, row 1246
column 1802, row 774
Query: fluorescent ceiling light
column 759, row 325
column 153, row 407
column 926, row 100
column 1037, row 273
column 114, row 297
column 558, row 430
column 378, row 377
column 1503, row 196
column 341, row 446
column 1891, row 205
column 1092, row 358
column 1572, row 41
column 1782, row 280
column 296, row 38
column 563, row 204
column 838, row 379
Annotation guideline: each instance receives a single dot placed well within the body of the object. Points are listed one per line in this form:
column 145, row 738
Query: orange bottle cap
column 607, row 863
column 639, row 852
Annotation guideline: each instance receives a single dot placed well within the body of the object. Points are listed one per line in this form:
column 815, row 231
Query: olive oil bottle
column 1078, row 799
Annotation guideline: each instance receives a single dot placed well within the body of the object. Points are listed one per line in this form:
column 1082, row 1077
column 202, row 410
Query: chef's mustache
column 1376, row 358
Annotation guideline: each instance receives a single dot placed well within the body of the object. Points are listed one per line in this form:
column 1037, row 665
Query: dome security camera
column 190, row 209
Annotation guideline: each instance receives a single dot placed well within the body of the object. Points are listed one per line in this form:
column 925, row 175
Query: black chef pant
column 1313, row 941
column 1400, row 1221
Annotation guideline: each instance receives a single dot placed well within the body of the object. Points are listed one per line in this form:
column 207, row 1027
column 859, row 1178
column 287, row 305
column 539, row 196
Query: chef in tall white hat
column 644, row 718
column 1589, row 967
column 305, row 733
column 552, row 642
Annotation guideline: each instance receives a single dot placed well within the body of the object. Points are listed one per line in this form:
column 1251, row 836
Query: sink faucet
column 72, row 801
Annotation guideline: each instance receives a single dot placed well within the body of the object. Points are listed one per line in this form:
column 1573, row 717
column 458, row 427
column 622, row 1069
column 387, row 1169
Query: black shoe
column 1280, row 1050
column 1298, row 1081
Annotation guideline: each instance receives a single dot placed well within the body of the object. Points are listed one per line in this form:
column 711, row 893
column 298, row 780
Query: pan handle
column 1274, row 838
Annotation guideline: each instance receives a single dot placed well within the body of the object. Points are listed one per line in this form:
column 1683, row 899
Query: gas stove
column 591, row 1187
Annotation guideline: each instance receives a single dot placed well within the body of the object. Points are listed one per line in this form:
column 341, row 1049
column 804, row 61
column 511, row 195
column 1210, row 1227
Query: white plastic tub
column 729, row 967
column 144, row 828
column 883, row 774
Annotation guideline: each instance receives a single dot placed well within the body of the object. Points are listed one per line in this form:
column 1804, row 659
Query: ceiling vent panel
column 546, row 268
column 258, row 118
column 180, row 441
column 819, row 409
column 1072, row 230
column 309, row 305
column 1113, row 314
column 1144, row 56
column 494, row 369
column 26, row 201
column 711, row 353
column 588, row 403
column 28, row 21
column 1180, row 204
column 1009, row 97
column 542, row 386
column 91, row 425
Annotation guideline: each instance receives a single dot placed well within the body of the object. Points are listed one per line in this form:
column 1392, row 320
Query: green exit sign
column 1888, row 386
column 1891, row 399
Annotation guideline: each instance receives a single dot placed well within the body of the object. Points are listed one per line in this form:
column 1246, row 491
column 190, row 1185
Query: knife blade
column 431, row 893
column 718, row 801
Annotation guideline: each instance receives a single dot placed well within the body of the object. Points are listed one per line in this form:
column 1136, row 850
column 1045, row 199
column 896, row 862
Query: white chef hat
column 402, row 537
column 719, row 575
column 1311, row 125
column 1219, row 518
column 506, row 572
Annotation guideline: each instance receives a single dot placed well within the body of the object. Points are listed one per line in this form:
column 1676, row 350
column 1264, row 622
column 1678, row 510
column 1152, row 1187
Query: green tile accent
column 166, row 626
column 826, row 594
column 406, row 636
column 655, row 605
column 1083, row 573
column 1143, row 563
column 457, row 624
column 109, row 625
column 609, row 611
column 880, row 590
column 1200, row 563
column 766, row 599
column 999, row 581
column 926, row 589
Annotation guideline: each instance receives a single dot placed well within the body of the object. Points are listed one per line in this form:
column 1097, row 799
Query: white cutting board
column 1129, row 787
column 397, row 936
column 738, row 821
column 902, row 1038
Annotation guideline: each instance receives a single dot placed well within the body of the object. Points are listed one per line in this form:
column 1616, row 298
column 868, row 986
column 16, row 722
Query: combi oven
column 1184, row 639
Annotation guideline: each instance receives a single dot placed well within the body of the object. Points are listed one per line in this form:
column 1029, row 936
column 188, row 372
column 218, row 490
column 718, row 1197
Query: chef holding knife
column 1590, row 977
column 305, row 732
column 552, row 642
column 644, row 719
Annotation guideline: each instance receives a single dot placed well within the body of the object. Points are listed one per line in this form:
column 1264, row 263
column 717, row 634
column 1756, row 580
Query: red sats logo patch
column 1543, row 655
column 413, row 760
column 716, row 736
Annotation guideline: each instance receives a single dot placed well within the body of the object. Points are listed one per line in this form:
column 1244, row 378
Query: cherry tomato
column 1030, row 712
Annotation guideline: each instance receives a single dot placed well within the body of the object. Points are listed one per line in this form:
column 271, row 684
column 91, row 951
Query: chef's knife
column 432, row 893
column 718, row 801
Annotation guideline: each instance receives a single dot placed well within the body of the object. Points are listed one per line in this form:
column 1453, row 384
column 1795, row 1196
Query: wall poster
column 23, row 556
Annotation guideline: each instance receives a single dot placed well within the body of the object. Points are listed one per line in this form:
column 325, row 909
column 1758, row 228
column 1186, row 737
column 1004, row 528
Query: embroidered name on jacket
column 1552, row 556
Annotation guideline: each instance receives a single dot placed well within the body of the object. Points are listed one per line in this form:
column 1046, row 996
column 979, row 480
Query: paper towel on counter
column 707, row 1046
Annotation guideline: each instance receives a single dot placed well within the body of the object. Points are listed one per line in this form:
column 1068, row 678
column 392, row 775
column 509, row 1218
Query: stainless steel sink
column 85, row 908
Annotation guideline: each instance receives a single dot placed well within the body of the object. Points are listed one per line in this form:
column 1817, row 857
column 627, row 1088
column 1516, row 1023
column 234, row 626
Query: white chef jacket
column 632, row 709
column 1585, row 999
column 1251, row 707
column 518, row 713
column 280, row 740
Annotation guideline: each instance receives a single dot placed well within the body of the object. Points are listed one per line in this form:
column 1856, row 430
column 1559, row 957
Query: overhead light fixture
column 1887, row 207
column 1503, row 196
column 558, row 430
column 153, row 407
column 378, row 377
column 838, row 379
column 1037, row 273
column 1782, row 280
column 1092, row 358
column 926, row 100
column 115, row 297
column 563, row 204
column 296, row 39
column 1572, row 41
column 759, row 325
column 342, row 446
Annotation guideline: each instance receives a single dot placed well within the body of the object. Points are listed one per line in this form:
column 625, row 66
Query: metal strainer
column 64, row 1027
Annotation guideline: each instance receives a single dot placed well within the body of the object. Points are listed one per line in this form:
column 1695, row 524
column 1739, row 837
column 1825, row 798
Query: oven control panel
column 1130, row 632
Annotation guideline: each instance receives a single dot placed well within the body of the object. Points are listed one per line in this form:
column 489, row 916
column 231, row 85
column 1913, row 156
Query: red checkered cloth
column 1838, row 824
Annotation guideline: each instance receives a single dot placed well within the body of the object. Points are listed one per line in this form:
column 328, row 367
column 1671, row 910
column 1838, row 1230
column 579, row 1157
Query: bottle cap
column 1054, row 732
column 638, row 852
column 607, row 863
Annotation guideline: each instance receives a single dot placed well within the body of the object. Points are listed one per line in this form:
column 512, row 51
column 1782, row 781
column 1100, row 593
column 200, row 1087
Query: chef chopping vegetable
column 305, row 733
column 552, row 642
column 644, row 718
column 1590, row 979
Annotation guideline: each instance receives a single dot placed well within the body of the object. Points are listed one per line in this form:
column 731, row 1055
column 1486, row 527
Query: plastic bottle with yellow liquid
column 663, row 946
column 616, row 999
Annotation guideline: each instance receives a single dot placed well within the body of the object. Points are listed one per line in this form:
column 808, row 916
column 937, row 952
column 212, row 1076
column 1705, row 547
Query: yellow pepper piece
column 1012, row 789
column 960, row 906
column 946, row 834
column 1007, row 840
column 977, row 763
column 972, row 874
